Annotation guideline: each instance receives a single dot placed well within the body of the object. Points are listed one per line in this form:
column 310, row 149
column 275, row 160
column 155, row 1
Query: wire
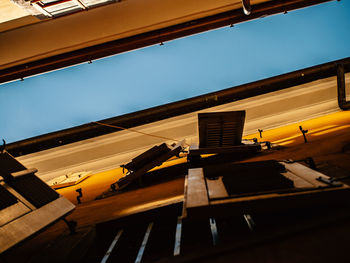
column 132, row 130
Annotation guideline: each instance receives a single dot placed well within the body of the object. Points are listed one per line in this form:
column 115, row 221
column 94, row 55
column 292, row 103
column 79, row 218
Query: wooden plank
column 27, row 225
column 24, row 172
column 216, row 188
column 12, row 212
column 298, row 181
column 306, row 173
column 177, row 245
column 308, row 192
column 214, row 231
column 272, row 196
column 184, row 210
column 250, row 222
column 111, row 247
column 144, row 243
column 124, row 181
column 20, row 197
column 196, row 189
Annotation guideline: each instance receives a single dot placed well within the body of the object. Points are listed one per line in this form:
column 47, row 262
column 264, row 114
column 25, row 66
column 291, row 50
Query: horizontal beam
column 151, row 38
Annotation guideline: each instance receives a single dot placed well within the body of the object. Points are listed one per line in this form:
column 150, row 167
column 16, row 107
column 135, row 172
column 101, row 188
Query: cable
column 132, row 130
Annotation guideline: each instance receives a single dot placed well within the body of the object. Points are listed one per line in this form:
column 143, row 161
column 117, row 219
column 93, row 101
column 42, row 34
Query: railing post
column 343, row 104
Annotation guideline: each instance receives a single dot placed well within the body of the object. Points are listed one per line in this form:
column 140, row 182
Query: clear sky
column 179, row 69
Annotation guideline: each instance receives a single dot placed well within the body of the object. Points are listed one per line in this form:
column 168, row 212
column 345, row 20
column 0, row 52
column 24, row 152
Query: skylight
column 54, row 8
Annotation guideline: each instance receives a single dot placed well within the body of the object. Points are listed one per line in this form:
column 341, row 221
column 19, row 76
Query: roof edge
column 150, row 38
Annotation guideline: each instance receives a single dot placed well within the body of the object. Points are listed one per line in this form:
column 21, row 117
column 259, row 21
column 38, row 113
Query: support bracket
column 247, row 9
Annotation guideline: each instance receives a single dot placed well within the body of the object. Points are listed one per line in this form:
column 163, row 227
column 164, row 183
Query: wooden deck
column 326, row 145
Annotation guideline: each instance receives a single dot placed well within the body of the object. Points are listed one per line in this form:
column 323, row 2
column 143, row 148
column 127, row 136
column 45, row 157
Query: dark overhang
column 151, row 38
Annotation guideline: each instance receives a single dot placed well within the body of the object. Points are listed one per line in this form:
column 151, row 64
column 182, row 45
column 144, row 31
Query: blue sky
column 179, row 69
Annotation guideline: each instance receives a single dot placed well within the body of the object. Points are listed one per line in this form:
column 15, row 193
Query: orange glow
column 289, row 135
